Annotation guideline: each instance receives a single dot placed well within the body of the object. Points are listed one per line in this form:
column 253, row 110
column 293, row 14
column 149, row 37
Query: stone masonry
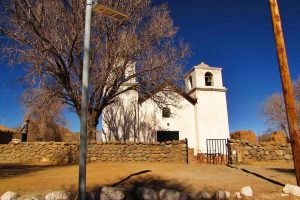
column 241, row 151
column 67, row 153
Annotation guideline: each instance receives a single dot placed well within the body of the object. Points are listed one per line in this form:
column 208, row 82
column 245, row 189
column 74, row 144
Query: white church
column 201, row 114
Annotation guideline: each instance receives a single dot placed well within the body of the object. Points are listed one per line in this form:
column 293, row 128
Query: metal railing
column 216, row 151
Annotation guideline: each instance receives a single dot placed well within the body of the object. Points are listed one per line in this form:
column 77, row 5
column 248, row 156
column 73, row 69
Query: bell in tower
column 209, row 79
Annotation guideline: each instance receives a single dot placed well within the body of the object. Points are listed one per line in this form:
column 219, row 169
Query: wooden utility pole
column 287, row 87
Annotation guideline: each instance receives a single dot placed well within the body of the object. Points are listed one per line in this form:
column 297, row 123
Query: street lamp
column 110, row 12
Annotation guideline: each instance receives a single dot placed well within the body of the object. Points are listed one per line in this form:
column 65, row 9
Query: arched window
column 190, row 82
column 209, row 81
column 166, row 112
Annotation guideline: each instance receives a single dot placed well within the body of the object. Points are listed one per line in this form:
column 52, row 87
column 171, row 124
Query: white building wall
column 190, row 81
column 182, row 119
column 129, row 99
column 212, row 117
column 207, row 119
column 217, row 77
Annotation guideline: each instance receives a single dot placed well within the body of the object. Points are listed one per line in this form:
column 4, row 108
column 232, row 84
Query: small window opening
column 166, row 112
column 209, row 79
column 191, row 82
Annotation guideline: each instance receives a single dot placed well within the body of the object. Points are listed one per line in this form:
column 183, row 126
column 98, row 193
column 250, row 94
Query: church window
column 191, row 82
column 209, row 79
column 166, row 112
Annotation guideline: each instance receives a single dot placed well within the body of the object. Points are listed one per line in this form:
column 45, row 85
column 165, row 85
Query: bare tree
column 297, row 89
column 48, row 39
column 46, row 120
column 273, row 110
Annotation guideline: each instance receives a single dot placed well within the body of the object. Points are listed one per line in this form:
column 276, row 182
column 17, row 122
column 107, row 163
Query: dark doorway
column 163, row 136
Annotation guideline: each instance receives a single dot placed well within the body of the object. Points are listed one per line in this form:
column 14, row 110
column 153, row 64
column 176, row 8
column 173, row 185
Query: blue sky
column 236, row 35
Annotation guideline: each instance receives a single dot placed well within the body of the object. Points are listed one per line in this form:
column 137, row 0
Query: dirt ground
column 28, row 179
column 280, row 172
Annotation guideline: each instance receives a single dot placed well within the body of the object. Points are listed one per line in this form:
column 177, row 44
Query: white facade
column 201, row 112
column 182, row 119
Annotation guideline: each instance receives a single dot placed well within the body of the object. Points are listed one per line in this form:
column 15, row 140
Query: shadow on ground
column 9, row 170
column 146, row 179
column 284, row 170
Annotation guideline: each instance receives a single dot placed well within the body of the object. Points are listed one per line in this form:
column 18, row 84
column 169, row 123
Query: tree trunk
column 93, row 120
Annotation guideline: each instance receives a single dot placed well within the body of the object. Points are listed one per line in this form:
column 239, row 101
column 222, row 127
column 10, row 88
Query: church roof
column 202, row 65
column 175, row 89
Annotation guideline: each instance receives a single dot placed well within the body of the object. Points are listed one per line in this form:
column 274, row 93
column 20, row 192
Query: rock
column 279, row 152
column 194, row 196
column 237, row 195
column 166, row 194
column 199, row 195
column 205, row 195
column 9, row 195
column 93, row 158
column 247, row 191
column 292, row 189
column 57, row 195
column 31, row 197
column 222, row 195
column 111, row 193
column 144, row 193
column 288, row 156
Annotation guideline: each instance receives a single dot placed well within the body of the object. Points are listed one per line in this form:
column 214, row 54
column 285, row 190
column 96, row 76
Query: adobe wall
column 67, row 153
column 241, row 151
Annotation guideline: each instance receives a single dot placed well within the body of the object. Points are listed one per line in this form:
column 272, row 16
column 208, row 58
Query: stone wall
column 39, row 152
column 241, row 151
column 66, row 153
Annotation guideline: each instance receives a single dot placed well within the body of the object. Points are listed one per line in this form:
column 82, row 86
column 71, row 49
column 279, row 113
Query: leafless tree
column 48, row 38
column 45, row 120
column 297, row 89
column 273, row 110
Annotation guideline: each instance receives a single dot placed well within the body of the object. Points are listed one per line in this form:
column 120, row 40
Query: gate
column 216, row 151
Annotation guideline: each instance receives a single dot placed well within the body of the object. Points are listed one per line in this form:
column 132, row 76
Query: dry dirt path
column 190, row 178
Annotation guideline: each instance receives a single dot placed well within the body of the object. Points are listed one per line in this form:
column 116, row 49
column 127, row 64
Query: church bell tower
column 211, row 117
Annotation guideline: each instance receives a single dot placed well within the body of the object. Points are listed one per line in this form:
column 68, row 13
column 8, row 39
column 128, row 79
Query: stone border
column 60, row 153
